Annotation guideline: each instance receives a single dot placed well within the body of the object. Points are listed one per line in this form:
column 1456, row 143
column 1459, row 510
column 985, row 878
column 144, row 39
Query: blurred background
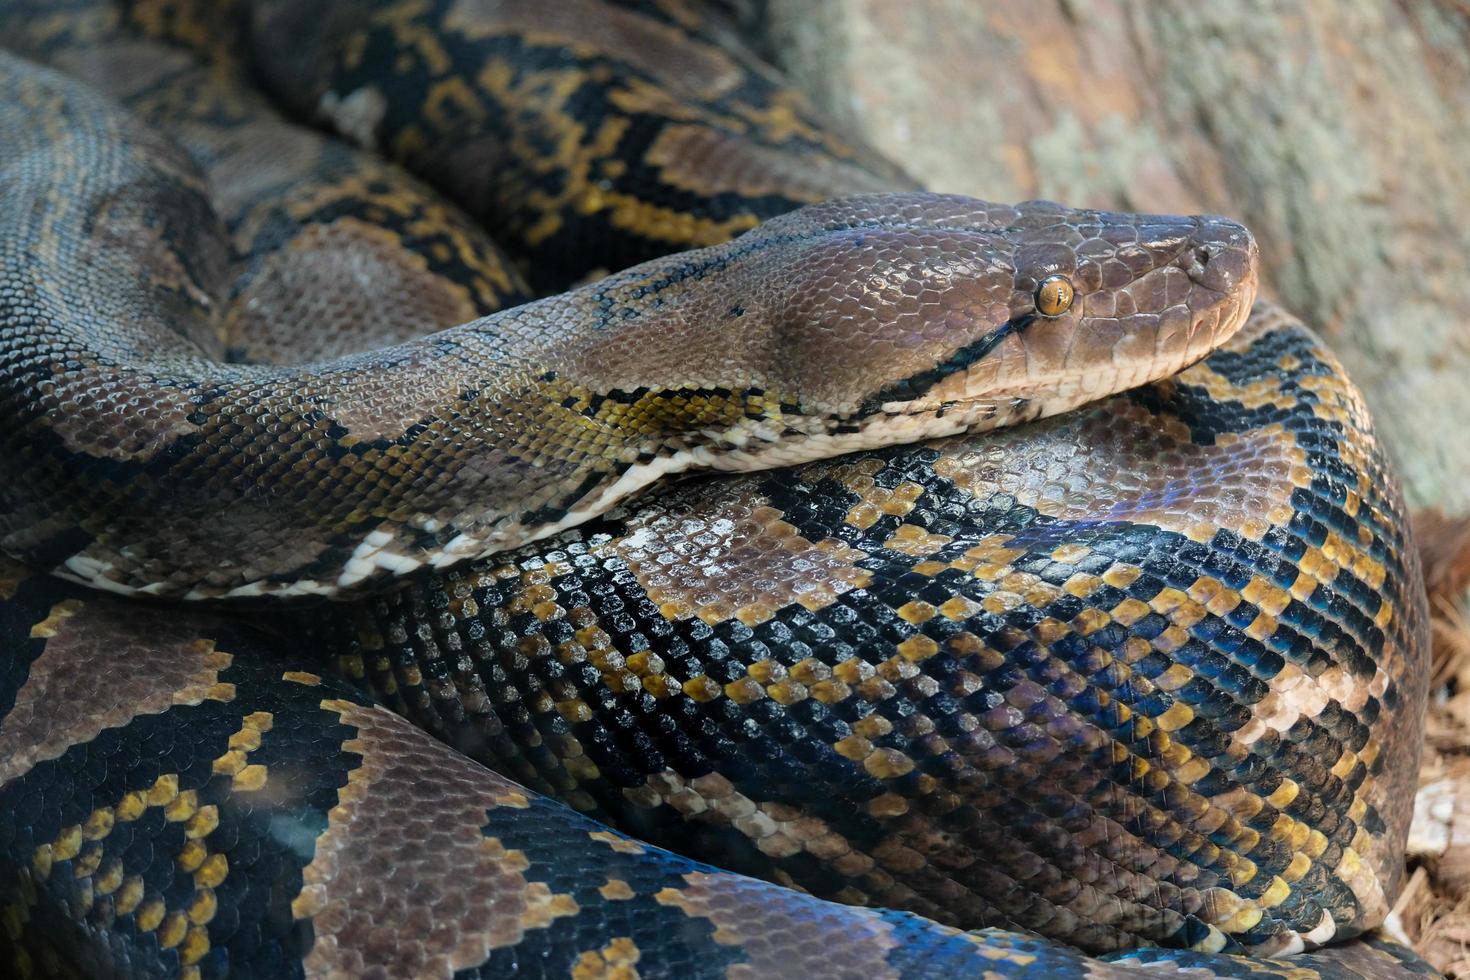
column 1338, row 130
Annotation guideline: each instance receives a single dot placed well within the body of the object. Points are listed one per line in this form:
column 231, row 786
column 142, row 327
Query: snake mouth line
column 917, row 385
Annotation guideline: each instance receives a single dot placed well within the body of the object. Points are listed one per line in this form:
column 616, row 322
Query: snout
column 1157, row 293
column 1222, row 256
column 1198, row 270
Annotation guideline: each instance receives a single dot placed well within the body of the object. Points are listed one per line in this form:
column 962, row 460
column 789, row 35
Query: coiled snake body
column 1147, row 672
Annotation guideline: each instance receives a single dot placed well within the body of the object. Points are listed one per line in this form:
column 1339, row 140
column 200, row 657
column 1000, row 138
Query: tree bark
column 1338, row 130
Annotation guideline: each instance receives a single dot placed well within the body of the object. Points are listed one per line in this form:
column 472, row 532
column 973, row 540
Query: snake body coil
column 840, row 326
column 1146, row 672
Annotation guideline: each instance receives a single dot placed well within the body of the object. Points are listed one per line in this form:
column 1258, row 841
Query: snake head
column 881, row 319
column 919, row 315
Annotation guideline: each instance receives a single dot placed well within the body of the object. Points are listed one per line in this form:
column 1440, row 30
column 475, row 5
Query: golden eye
column 1054, row 296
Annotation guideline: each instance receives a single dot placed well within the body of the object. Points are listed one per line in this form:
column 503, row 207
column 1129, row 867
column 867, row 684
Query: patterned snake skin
column 1145, row 674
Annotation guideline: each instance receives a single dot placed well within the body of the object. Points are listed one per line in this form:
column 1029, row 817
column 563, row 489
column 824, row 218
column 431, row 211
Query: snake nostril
column 1202, row 255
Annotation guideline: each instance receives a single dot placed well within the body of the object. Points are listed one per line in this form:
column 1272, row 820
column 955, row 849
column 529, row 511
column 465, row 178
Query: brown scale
column 1123, row 886
column 851, row 323
column 724, row 126
column 420, row 865
column 403, row 503
column 1117, row 884
column 300, row 266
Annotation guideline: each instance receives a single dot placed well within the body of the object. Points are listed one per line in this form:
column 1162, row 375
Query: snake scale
column 1139, row 680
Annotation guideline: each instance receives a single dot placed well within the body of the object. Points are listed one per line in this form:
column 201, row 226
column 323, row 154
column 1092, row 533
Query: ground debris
column 1433, row 912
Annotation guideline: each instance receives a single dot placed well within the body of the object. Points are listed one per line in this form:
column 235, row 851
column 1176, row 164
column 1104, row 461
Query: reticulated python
column 1145, row 673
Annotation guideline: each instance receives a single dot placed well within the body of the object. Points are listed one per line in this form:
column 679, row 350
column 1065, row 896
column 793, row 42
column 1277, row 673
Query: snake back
column 1146, row 673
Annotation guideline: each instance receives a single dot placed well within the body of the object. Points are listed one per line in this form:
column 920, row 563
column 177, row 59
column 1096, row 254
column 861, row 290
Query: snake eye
column 1054, row 295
